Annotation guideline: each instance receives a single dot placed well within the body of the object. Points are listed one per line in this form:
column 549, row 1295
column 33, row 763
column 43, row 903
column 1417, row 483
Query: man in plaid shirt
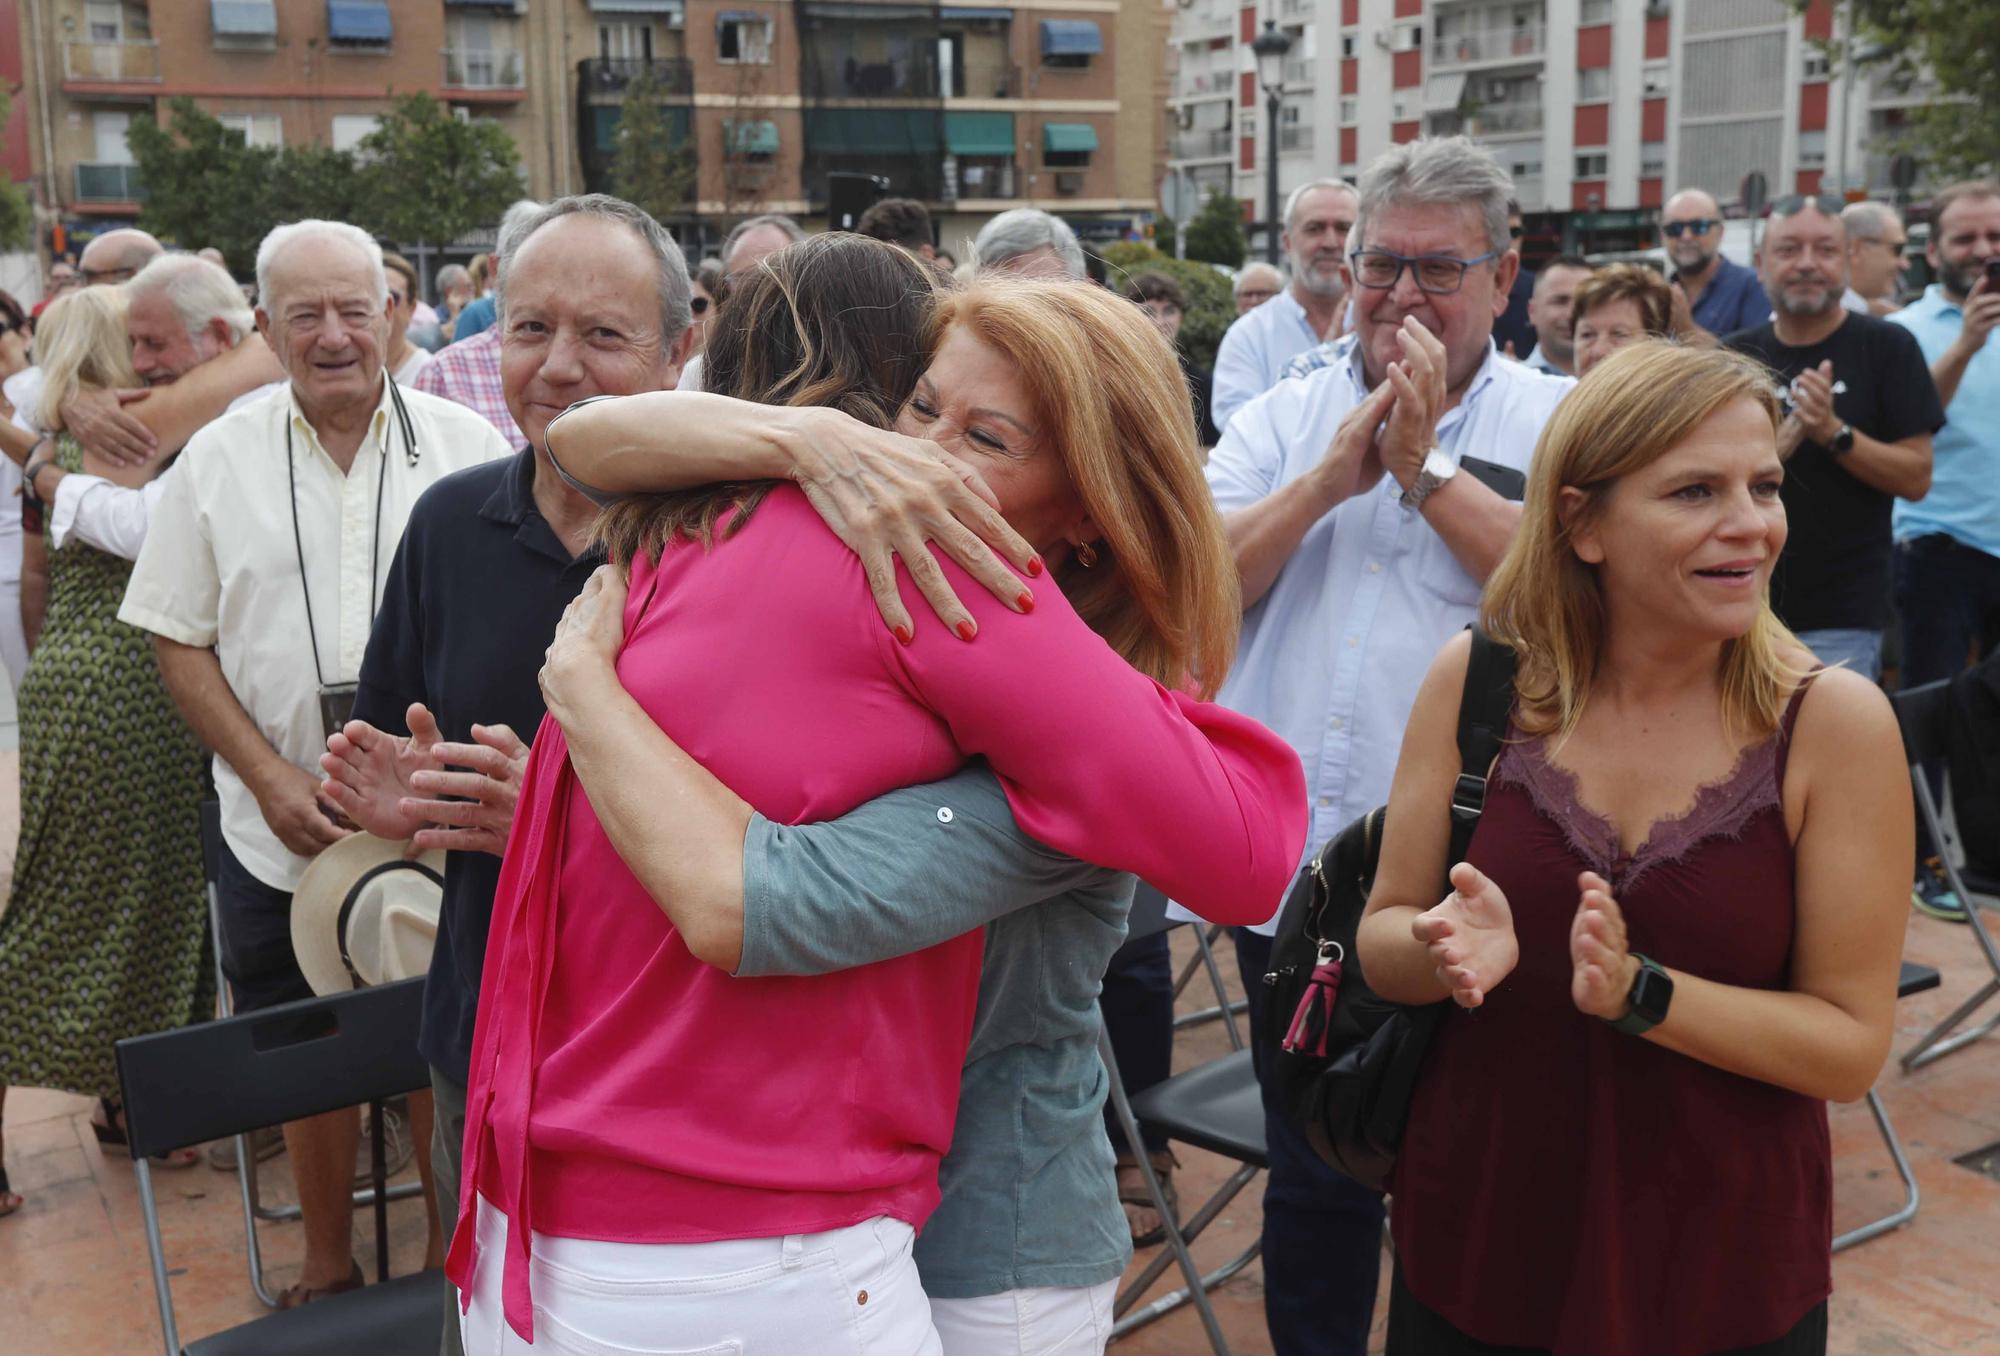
column 469, row 373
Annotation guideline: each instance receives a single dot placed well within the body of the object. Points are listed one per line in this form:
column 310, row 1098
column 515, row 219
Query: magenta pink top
column 621, row 1090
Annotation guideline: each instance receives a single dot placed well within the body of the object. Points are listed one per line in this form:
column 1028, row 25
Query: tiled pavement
column 75, row 1279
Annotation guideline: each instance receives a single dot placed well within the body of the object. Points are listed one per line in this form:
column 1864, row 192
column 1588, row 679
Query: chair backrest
column 1148, row 914
column 280, row 1064
column 1922, row 713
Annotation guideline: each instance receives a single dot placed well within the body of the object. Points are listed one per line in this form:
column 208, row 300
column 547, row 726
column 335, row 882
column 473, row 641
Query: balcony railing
column 609, row 76
column 987, row 80
column 109, row 183
column 113, row 61
column 1487, row 45
column 483, row 68
column 831, row 73
column 1299, row 74
column 1295, row 9
column 1299, row 138
column 1493, row 120
column 1205, row 145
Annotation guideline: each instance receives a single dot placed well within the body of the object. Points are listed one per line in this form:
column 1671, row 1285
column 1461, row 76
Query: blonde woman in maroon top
column 1676, row 936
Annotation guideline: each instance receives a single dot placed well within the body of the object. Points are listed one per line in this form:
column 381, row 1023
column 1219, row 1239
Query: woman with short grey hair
column 1030, row 242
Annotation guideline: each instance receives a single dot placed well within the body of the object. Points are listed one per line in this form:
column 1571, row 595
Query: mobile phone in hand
column 1993, row 275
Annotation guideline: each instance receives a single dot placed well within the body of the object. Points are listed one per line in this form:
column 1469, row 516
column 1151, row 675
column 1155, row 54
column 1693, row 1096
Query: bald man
column 116, row 255
column 1724, row 297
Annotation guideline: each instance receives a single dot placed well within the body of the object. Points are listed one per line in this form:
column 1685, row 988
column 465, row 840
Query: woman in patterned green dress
column 105, row 932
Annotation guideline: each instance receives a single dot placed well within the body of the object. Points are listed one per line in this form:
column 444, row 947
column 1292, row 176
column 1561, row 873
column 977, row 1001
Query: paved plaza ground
column 74, row 1257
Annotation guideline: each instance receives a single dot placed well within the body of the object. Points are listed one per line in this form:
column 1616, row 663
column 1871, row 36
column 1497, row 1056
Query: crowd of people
column 799, row 656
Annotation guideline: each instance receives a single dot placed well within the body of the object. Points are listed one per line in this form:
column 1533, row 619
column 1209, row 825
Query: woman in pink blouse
column 682, row 1161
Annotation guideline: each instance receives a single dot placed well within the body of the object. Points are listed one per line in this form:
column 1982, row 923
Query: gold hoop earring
column 1086, row 554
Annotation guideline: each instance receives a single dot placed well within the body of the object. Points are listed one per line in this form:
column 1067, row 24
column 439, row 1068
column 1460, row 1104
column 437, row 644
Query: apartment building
column 972, row 109
column 301, row 72
column 1600, row 109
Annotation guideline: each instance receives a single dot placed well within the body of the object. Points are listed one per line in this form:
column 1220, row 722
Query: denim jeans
column 1949, row 597
column 1859, row 649
column 1322, row 1230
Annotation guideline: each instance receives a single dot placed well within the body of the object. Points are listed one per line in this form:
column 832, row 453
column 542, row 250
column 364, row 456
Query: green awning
column 1068, row 138
column 872, row 131
column 979, row 133
column 756, row 137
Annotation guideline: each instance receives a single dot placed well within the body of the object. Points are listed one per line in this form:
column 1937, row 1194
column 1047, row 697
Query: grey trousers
column 447, row 1144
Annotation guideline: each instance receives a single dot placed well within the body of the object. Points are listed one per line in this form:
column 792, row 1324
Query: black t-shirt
column 478, row 584
column 1834, row 573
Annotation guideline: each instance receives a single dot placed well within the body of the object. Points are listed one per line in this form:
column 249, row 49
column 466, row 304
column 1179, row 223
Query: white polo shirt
column 220, row 568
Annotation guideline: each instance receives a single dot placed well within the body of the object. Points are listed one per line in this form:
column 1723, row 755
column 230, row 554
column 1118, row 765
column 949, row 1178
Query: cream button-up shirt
column 221, row 568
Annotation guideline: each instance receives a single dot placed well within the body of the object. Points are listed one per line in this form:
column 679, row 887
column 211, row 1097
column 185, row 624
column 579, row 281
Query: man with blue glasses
column 1366, row 502
column 1724, row 296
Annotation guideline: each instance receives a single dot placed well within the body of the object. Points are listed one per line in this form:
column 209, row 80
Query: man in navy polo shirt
column 1725, row 297
column 594, row 300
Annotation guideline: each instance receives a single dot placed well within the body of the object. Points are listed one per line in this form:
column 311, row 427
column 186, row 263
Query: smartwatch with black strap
column 1652, row 991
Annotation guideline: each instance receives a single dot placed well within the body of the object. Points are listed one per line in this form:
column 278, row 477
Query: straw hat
column 363, row 914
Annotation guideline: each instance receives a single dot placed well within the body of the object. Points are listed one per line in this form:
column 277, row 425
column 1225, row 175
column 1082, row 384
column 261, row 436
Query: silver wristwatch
column 1438, row 468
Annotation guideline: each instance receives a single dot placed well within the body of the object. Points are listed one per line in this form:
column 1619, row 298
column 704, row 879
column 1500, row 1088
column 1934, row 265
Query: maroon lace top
column 1562, row 1186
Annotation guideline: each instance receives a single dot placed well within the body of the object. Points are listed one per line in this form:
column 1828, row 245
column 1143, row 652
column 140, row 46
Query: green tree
column 654, row 167
column 1952, row 41
column 1211, row 302
column 425, row 176
column 1215, row 234
column 1164, row 230
column 203, row 185
column 17, row 218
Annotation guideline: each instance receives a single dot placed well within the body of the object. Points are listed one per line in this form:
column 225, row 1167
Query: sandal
column 9, row 1202
column 111, row 1135
column 292, row 1296
column 1132, row 1194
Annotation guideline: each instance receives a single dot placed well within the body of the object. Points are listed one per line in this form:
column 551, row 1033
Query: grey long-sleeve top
column 1030, row 1197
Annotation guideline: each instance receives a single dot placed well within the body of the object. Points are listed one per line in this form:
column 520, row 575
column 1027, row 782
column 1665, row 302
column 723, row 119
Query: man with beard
column 1362, row 539
column 1947, row 561
column 1857, row 436
column 1261, row 342
column 1724, row 297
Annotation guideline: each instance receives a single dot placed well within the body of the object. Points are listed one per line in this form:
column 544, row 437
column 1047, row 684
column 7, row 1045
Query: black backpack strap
column 1483, row 711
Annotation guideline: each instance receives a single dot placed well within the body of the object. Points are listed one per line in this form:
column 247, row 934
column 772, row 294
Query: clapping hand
column 368, row 772
column 1418, row 379
column 1812, row 403
column 1470, row 936
column 1603, row 967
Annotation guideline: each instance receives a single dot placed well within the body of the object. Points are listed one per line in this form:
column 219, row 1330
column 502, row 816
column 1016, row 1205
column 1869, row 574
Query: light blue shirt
column 1254, row 352
column 1964, row 502
column 1540, row 362
column 1332, row 656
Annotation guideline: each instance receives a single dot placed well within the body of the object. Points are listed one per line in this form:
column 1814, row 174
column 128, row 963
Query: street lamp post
column 1270, row 47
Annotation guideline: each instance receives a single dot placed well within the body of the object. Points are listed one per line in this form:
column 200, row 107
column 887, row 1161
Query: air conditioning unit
column 1069, row 181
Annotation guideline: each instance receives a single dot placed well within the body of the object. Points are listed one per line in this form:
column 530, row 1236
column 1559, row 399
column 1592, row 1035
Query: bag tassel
column 1313, row 1021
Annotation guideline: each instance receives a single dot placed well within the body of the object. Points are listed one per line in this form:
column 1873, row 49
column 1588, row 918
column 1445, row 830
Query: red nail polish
column 1034, row 567
column 966, row 630
column 1026, row 602
column 903, row 634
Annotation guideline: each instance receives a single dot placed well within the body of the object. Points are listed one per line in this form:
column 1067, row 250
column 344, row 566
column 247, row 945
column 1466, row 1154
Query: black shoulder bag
column 1343, row 1061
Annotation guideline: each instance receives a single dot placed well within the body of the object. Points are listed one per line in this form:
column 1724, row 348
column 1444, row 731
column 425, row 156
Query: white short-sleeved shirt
column 220, row 568
column 1254, row 351
column 1331, row 658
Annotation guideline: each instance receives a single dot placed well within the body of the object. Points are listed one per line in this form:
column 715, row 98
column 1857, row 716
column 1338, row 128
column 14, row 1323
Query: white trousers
column 847, row 1292
column 1046, row 1321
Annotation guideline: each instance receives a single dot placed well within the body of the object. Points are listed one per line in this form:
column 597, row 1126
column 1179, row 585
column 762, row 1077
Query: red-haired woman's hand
column 583, row 655
column 886, row 495
column 1470, row 936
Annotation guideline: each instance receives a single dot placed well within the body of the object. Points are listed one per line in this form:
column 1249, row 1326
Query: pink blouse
column 621, row 1090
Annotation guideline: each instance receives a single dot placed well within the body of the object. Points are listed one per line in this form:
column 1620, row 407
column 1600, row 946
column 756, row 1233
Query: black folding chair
column 1914, row 979
column 1216, row 1106
column 1224, row 1008
column 246, row 1160
column 1922, row 714
column 227, row 1077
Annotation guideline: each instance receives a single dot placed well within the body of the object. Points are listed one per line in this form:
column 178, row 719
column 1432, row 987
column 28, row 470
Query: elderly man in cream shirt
column 259, row 579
